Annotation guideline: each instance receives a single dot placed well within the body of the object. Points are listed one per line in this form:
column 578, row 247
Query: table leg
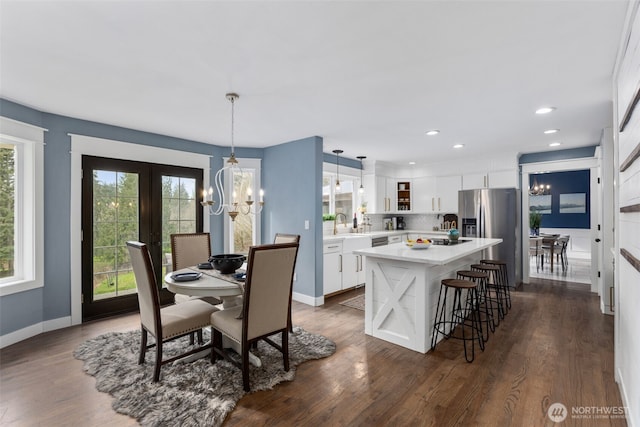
column 227, row 303
column 551, row 255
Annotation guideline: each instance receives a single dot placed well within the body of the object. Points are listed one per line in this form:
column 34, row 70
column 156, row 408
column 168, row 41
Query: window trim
column 29, row 142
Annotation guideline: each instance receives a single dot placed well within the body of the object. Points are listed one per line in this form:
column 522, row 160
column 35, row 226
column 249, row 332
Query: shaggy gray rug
column 188, row 394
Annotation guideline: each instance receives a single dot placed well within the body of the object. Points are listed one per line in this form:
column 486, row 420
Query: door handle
column 597, row 240
column 340, row 264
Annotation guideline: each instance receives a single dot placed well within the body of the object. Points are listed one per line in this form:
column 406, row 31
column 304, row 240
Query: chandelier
column 539, row 190
column 233, row 207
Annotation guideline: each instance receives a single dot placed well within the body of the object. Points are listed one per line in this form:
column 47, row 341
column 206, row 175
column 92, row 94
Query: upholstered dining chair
column 166, row 323
column 265, row 307
column 287, row 238
column 187, row 250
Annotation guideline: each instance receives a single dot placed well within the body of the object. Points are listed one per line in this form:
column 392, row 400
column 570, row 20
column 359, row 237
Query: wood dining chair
column 265, row 308
column 167, row 323
column 287, row 238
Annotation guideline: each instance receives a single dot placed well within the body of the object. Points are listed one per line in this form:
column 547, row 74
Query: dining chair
column 167, row 323
column 287, row 238
column 188, row 250
column 265, row 306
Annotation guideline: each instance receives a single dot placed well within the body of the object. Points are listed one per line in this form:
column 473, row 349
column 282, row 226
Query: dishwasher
column 379, row 241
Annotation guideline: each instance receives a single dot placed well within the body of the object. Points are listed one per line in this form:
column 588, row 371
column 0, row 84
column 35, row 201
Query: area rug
column 355, row 302
column 188, row 394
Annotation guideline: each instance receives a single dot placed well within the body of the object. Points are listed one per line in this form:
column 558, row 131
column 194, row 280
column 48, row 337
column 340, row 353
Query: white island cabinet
column 403, row 285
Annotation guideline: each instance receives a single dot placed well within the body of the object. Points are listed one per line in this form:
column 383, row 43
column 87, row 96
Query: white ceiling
column 369, row 77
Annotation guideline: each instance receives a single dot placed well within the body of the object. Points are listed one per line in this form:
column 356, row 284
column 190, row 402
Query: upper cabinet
column 497, row 179
column 380, row 194
column 436, row 194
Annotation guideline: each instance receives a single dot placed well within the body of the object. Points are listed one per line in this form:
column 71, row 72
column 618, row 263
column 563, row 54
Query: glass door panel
column 179, row 212
column 115, row 220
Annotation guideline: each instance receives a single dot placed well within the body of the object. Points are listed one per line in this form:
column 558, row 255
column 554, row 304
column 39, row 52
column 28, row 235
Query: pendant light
column 361, row 189
column 232, row 207
column 337, row 153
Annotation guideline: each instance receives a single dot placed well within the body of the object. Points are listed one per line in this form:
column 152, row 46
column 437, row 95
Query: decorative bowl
column 227, row 263
column 423, row 244
column 454, row 234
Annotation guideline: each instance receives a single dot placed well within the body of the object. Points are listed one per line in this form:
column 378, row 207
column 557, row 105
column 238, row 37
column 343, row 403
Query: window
column 244, row 232
column 342, row 201
column 21, row 206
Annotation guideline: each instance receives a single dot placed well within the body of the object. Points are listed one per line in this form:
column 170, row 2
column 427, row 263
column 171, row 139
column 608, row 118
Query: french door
column 127, row 200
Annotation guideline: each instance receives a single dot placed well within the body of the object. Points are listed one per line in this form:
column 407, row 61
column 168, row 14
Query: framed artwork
column 573, row 203
column 541, row 204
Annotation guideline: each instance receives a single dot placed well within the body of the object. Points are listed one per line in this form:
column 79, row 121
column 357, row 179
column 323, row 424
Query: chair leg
column 156, row 373
column 285, row 349
column 216, row 337
column 143, row 346
column 200, row 339
column 245, row 366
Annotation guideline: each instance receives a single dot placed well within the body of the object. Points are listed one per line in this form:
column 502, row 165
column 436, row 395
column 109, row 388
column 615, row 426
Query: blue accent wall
column 293, row 194
column 565, row 183
column 344, row 161
column 291, row 177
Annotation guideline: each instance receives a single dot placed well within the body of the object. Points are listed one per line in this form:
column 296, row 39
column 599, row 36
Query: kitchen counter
column 435, row 254
column 373, row 234
column 402, row 286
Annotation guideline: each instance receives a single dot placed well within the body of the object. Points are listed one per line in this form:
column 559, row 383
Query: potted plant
column 535, row 218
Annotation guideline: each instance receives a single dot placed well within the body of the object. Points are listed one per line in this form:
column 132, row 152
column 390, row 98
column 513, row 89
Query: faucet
column 335, row 219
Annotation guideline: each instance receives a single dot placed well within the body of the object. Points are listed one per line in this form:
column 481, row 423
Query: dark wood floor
column 554, row 346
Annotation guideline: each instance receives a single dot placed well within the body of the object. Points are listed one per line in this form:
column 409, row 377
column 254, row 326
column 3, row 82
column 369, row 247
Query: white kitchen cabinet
column 495, row 179
column 332, row 267
column 397, row 238
column 380, row 194
column 436, row 194
column 342, row 268
column 424, row 190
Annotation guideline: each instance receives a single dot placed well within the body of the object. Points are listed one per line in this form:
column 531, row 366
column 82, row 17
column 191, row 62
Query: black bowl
column 227, row 263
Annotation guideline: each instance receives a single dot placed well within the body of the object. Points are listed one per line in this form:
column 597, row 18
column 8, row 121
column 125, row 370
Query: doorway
column 128, row 200
column 593, row 234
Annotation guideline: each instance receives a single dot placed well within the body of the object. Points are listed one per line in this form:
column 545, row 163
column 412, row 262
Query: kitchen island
column 402, row 286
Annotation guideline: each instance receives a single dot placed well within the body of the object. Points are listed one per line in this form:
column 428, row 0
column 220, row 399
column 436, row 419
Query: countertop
column 435, row 254
column 372, row 234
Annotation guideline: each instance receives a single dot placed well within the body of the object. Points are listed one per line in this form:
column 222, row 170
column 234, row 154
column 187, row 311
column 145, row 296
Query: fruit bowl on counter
column 419, row 243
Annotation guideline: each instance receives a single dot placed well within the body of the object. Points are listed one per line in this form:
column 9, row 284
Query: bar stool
column 481, row 279
column 505, row 277
column 459, row 315
column 493, row 284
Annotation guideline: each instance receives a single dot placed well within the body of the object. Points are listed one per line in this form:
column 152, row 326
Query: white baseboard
column 625, row 400
column 33, row 330
column 306, row 299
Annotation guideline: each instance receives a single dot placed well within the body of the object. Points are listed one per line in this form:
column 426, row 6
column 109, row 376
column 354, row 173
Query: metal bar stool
column 505, row 277
column 481, row 279
column 494, row 285
column 461, row 317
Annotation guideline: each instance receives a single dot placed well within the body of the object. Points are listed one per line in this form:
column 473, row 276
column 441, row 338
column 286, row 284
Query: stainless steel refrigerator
column 494, row 213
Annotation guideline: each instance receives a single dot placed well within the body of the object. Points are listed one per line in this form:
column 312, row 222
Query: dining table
column 212, row 283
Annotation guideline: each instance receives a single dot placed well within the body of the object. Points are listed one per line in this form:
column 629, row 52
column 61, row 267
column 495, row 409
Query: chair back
column 286, row 238
column 268, row 286
column 189, row 249
column 148, row 295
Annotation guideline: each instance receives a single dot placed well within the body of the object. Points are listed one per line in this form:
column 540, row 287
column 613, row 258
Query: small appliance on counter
column 400, row 224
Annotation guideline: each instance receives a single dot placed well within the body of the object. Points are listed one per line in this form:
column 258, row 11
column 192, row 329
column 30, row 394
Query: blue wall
column 294, row 189
column 549, row 156
column 565, row 183
column 53, row 301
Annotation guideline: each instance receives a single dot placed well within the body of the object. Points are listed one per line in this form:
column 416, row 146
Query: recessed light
column 549, row 131
column 458, row 146
column 412, row 163
column 545, row 110
column 433, row 132
column 554, row 144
